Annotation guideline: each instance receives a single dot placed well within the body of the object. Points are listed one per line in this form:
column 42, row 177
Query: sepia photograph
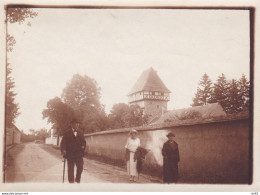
column 128, row 95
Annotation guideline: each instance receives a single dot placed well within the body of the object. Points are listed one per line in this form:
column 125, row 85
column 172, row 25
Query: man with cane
column 72, row 147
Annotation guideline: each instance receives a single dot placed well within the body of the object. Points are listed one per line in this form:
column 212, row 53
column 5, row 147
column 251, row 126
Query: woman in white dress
column 131, row 146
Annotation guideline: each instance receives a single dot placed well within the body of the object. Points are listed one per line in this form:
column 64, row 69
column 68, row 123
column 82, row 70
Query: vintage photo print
column 128, row 95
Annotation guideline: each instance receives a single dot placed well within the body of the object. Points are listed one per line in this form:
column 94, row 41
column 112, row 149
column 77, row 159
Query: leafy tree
column 59, row 115
column 13, row 15
column 19, row 14
column 123, row 115
column 11, row 106
column 41, row 134
column 116, row 115
column 203, row 94
column 82, row 94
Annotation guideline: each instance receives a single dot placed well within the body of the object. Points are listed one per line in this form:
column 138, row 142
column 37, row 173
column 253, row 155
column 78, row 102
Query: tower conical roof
column 149, row 81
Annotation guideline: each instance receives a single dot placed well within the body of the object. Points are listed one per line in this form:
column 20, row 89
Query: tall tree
column 82, row 94
column 59, row 115
column 233, row 103
column 13, row 15
column 11, row 106
column 244, row 89
column 204, row 91
column 219, row 93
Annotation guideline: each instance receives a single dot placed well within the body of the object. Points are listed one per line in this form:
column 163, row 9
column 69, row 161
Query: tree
column 13, row 15
column 203, row 94
column 219, row 93
column 123, row 115
column 11, row 106
column 233, row 101
column 59, row 115
column 244, row 89
column 19, row 14
column 82, row 94
column 116, row 116
column 41, row 134
column 233, row 95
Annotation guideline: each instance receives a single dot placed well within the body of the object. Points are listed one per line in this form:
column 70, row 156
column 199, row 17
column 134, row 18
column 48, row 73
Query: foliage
column 20, row 14
column 233, row 99
column 116, row 116
column 11, row 106
column 203, row 94
column 244, row 90
column 219, row 93
column 82, row 94
column 59, row 115
column 233, row 95
column 123, row 115
column 13, row 15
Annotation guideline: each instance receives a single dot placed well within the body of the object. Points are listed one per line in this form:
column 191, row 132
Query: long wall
column 214, row 152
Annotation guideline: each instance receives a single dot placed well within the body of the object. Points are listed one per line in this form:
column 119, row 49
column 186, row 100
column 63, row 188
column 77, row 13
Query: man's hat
column 170, row 135
column 74, row 121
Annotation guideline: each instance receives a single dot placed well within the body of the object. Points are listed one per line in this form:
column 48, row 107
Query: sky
column 114, row 46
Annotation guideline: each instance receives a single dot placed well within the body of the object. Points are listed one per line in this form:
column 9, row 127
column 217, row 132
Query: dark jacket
column 171, row 158
column 73, row 145
column 139, row 156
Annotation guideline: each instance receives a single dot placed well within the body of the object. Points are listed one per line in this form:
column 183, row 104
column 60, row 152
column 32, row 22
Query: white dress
column 132, row 145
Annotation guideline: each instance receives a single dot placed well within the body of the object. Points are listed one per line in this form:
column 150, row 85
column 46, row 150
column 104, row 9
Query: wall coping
column 168, row 125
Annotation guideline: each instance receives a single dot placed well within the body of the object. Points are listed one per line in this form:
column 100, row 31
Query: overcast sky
column 114, row 46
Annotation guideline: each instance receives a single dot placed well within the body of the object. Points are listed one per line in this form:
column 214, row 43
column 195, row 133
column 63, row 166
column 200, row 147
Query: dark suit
column 171, row 158
column 74, row 147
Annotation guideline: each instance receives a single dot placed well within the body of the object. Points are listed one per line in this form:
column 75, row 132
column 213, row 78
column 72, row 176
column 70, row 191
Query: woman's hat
column 170, row 135
column 133, row 131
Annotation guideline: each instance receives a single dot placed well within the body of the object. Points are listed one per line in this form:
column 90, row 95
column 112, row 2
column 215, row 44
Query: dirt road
column 41, row 163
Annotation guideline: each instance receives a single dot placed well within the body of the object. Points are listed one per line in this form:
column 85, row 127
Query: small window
column 162, row 93
column 158, row 106
column 152, row 93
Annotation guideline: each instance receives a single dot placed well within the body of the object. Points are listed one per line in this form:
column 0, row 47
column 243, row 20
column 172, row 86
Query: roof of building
column 197, row 112
column 149, row 81
column 13, row 127
column 179, row 123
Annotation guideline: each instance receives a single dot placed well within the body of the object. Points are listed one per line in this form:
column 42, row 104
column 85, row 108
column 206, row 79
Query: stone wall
column 212, row 152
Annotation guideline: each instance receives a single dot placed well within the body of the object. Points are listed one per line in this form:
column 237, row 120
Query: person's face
column 133, row 135
column 75, row 125
column 171, row 138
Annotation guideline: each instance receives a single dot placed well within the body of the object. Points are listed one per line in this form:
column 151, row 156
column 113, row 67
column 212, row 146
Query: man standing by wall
column 171, row 158
column 72, row 147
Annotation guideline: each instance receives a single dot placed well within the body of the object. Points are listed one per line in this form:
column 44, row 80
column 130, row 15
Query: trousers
column 71, row 164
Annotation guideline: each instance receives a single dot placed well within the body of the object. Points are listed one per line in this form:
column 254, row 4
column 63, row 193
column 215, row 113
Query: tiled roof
column 179, row 123
column 206, row 111
column 149, row 81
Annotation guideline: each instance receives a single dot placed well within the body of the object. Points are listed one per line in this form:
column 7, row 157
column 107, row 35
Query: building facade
column 150, row 93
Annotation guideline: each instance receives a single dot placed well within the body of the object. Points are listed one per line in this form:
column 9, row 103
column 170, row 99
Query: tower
column 150, row 93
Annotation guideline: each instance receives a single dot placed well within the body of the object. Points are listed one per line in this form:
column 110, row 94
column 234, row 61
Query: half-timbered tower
column 150, row 93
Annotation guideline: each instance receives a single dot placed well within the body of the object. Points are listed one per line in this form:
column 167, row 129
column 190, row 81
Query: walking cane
column 64, row 163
